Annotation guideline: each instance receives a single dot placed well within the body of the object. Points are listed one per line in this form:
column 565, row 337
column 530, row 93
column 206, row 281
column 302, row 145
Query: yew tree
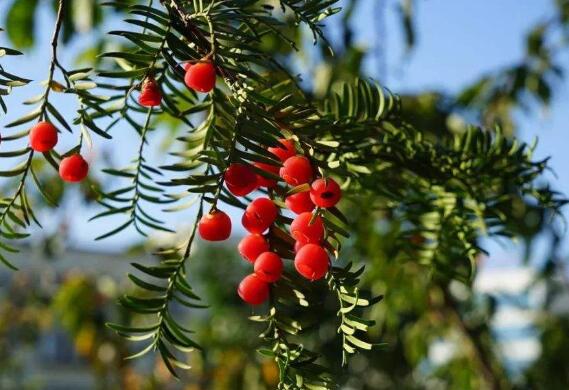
column 303, row 169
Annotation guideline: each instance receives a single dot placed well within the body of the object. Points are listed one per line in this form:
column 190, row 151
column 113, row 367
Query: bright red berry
column 325, row 192
column 307, row 228
column 300, row 202
column 43, row 137
column 73, row 169
column 285, row 151
column 251, row 246
column 312, row 262
column 269, row 267
column 262, row 181
column 150, row 94
column 240, row 179
column 259, row 215
column 253, row 290
column 200, row 76
column 296, row 170
column 298, row 245
column 215, row 226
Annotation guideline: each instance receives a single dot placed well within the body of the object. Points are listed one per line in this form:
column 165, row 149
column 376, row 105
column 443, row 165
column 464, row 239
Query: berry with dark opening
column 200, row 77
column 300, row 202
column 251, row 246
column 73, row 169
column 312, row 262
column 263, row 181
column 215, row 226
column 285, row 151
column 43, row 137
column 259, row 215
column 307, row 228
column 240, row 179
column 296, row 170
column 253, row 290
column 269, row 267
column 325, row 192
column 150, row 94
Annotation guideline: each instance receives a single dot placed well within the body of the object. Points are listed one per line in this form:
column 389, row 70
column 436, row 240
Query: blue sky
column 458, row 40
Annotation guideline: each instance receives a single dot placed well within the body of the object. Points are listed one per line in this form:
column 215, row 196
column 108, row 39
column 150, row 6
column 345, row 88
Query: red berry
column 251, row 246
column 215, row 226
column 325, row 192
column 253, row 290
column 298, row 245
column 150, row 94
column 73, row 169
column 285, row 151
column 269, row 267
column 200, row 76
column 259, row 215
column 240, row 179
column 43, row 137
column 306, row 232
column 262, row 181
column 296, row 170
column 312, row 262
column 299, row 203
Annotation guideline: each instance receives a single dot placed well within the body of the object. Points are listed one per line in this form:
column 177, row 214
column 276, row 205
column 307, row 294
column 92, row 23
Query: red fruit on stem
column 43, row 137
column 253, row 290
column 312, row 262
column 73, row 169
column 150, row 94
column 215, row 226
column 296, row 170
column 285, row 151
column 251, row 246
column 240, row 179
column 269, row 267
column 299, row 203
column 306, row 232
column 259, row 215
column 298, row 245
column 201, row 76
column 262, row 181
column 325, row 192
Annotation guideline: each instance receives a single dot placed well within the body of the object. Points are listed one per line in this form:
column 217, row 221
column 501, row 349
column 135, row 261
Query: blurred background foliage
column 419, row 310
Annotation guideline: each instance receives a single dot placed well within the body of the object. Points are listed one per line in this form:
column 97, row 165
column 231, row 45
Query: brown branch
column 492, row 372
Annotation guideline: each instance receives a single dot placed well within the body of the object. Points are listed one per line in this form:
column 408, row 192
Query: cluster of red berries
column 43, row 138
column 308, row 230
column 199, row 77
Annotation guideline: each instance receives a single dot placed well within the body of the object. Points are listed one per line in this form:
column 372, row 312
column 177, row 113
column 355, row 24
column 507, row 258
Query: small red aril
column 307, row 228
column 43, row 137
column 298, row 245
column 200, row 76
column 240, row 179
column 285, row 151
column 215, row 226
column 325, row 192
column 150, row 94
column 251, row 246
column 300, row 202
column 312, row 262
column 253, row 290
column 296, row 170
column 263, row 181
column 269, row 267
column 259, row 215
column 73, row 169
